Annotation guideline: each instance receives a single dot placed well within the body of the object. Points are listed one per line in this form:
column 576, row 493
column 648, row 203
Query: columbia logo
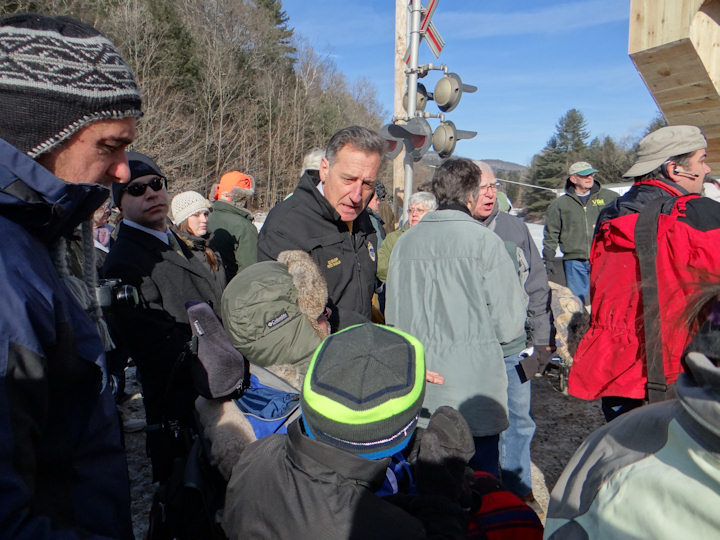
column 277, row 320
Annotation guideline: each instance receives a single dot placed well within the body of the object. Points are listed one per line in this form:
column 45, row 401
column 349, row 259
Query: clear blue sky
column 532, row 60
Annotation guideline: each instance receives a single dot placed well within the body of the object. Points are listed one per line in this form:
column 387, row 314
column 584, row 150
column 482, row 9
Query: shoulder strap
column 646, row 229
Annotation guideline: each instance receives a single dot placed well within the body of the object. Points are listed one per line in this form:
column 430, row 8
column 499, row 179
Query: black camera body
column 113, row 293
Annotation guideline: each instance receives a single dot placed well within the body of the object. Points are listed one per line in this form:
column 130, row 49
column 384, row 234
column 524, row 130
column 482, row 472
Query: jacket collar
column 570, row 188
column 224, row 206
column 454, row 205
column 668, row 185
column 162, row 249
column 39, row 201
column 312, row 456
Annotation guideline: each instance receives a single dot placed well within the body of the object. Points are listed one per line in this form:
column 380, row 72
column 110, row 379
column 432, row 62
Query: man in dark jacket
column 570, row 222
column 326, row 217
column 632, row 302
column 515, row 440
column 147, row 255
column 63, row 136
column 360, row 404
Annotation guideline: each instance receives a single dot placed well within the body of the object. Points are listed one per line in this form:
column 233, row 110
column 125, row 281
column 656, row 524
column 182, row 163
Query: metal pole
column 415, row 15
column 402, row 27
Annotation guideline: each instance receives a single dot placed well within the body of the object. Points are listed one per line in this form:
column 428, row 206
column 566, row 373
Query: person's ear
column 324, row 168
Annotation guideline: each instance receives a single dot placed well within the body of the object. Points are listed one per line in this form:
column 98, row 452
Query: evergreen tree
column 546, row 171
column 571, row 135
column 610, row 158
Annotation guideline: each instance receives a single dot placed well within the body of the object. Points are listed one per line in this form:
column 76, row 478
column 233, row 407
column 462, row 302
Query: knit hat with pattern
column 58, row 75
column 364, row 390
column 186, row 204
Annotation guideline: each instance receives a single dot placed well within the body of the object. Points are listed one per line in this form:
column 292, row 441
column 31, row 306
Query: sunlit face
column 94, row 155
column 582, row 183
column 349, row 182
column 149, row 209
column 416, row 212
column 198, row 223
column 487, row 195
column 697, row 166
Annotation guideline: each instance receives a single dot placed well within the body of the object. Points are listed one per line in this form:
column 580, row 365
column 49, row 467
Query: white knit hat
column 186, row 204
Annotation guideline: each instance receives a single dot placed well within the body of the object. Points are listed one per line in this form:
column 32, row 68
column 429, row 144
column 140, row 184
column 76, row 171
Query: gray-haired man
column 326, row 217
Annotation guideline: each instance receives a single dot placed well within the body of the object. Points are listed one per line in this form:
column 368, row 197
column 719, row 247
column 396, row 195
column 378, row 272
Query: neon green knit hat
column 364, row 390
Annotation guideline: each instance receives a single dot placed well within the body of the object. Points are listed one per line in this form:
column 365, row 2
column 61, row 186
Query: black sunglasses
column 137, row 190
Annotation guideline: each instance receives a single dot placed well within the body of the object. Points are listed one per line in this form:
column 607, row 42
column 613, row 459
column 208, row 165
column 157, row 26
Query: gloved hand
column 445, row 448
column 537, row 362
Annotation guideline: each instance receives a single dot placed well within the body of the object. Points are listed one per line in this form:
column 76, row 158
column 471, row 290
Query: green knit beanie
column 364, row 390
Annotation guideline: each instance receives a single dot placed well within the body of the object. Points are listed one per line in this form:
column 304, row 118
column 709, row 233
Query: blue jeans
column 515, row 440
column 577, row 277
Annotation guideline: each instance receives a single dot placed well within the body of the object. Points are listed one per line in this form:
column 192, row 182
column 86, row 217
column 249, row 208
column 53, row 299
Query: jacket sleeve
column 538, row 291
column 383, row 261
column 551, row 233
column 24, row 404
column 246, row 252
column 505, row 297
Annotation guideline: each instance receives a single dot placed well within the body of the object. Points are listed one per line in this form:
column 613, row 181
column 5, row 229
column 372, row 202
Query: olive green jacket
column 571, row 224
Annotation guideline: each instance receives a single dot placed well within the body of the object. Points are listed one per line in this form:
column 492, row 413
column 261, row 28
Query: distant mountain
column 431, row 159
column 499, row 164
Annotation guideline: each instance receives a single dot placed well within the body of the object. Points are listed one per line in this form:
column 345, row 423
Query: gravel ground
column 563, row 422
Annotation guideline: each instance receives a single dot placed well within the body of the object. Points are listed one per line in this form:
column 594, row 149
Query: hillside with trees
column 225, row 85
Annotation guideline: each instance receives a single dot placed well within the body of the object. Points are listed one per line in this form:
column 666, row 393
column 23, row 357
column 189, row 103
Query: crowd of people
column 393, row 359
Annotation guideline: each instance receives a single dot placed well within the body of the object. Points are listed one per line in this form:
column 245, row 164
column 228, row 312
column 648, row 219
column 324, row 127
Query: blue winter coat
column 63, row 471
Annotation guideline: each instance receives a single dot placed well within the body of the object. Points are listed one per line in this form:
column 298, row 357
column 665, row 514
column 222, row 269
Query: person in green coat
column 233, row 234
column 570, row 223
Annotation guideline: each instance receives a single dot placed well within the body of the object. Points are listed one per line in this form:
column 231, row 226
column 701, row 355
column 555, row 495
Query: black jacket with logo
column 307, row 221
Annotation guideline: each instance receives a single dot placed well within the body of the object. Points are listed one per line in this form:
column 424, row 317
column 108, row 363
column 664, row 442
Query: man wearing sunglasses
column 63, row 135
column 149, row 256
column 570, row 223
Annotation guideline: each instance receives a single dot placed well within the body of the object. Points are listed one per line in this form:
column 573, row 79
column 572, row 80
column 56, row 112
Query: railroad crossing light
column 417, row 134
column 449, row 90
column 446, row 136
column 394, row 144
column 420, row 100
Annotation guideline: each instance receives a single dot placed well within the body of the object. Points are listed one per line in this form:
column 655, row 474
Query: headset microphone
column 686, row 175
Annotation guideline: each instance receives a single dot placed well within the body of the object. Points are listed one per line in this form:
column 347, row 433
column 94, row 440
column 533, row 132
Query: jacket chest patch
column 598, row 202
column 277, row 320
column 371, row 251
column 332, row 263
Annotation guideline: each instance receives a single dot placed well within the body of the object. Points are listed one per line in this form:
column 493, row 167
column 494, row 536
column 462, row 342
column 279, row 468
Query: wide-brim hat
column 660, row 145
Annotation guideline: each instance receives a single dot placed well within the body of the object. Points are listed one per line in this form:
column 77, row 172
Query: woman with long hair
column 190, row 212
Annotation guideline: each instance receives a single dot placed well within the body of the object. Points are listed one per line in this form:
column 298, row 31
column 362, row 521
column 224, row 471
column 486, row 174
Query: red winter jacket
column 610, row 360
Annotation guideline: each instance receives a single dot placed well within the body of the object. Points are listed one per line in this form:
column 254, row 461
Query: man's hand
column 434, row 377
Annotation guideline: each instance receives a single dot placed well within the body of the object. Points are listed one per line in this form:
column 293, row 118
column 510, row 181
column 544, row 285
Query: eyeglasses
column 489, row 187
column 417, row 210
column 137, row 190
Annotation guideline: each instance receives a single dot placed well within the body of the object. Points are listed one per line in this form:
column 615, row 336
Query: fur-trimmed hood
column 270, row 310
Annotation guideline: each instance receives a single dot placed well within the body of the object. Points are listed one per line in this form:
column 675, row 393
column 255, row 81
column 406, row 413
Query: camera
column 112, row 293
